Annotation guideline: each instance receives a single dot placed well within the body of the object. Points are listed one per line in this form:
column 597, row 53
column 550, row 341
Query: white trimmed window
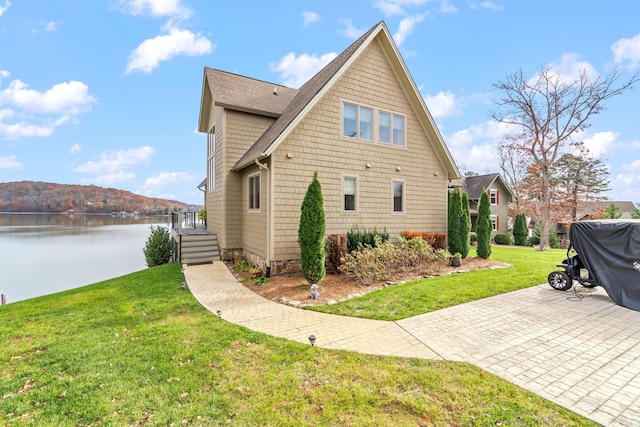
column 350, row 194
column 397, row 188
column 359, row 122
column 254, row 192
column 211, row 160
column 494, row 197
column 495, row 222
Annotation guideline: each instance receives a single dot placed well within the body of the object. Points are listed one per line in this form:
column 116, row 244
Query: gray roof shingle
column 242, row 93
column 304, row 95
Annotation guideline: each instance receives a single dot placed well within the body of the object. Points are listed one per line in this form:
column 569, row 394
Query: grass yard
column 529, row 268
column 139, row 350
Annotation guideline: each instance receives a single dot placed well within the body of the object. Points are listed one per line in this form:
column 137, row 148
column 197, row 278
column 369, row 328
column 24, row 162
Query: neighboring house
column 360, row 122
column 500, row 196
column 592, row 210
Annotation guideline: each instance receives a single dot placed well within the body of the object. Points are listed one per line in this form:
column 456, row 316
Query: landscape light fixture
column 184, row 285
column 219, row 313
column 312, row 340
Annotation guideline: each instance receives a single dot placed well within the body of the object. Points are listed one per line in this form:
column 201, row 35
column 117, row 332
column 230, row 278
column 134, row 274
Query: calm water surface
column 42, row 254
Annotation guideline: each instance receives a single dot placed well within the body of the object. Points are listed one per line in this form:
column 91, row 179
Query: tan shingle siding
column 215, row 199
column 317, row 144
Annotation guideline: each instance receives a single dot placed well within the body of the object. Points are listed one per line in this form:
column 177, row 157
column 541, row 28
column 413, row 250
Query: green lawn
column 529, row 268
column 139, row 350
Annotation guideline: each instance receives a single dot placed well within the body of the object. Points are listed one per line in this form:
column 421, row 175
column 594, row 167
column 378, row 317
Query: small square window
column 350, row 188
column 493, row 197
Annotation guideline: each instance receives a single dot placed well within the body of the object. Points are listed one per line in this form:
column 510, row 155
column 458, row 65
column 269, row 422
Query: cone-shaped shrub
column 484, row 226
column 311, row 233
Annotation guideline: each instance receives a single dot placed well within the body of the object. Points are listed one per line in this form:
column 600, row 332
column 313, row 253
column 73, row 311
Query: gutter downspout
column 263, row 166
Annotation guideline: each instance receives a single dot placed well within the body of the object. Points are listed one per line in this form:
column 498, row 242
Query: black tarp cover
column 610, row 250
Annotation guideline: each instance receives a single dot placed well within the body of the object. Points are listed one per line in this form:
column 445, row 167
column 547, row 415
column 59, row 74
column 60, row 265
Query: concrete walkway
column 581, row 353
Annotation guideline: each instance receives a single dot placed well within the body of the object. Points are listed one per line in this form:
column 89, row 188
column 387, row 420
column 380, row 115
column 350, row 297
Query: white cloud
column 474, row 147
column 295, row 71
column 349, row 30
column 172, row 8
column 443, row 105
column 406, row 27
column 627, row 49
column 600, row 142
column 158, row 184
column 110, row 178
column 309, row 18
column 4, row 8
column 397, row 7
column 112, row 163
column 64, row 98
column 445, row 7
column 485, row 5
column 151, row 52
column 15, row 131
column 10, row 163
column 75, row 148
column 570, row 67
column 50, row 26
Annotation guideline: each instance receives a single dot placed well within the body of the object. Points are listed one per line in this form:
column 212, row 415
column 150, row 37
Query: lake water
column 42, row 254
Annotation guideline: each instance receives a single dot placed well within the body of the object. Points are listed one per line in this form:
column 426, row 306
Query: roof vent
column 275, row 90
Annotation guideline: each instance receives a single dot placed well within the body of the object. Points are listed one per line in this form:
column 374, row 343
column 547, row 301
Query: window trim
column 494, row 194
column 495, row 221
column 404, row 197
column 211, row 160
column 342, row 193
column 375, row 125
column 250, row 193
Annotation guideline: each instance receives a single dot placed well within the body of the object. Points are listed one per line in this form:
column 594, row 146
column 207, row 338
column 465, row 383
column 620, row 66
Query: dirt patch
column 293, row 289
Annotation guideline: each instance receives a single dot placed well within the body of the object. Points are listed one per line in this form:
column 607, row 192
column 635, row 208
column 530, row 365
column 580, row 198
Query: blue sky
column 107, row 92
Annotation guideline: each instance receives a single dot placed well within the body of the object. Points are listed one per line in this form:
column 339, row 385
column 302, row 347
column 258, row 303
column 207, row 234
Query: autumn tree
column 548, row 111
column 580, row 178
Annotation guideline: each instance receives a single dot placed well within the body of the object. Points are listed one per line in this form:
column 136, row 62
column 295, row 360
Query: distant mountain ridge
column 33, row 196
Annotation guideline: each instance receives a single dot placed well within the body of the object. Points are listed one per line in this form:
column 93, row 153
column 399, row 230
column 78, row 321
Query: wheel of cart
column 560, row 280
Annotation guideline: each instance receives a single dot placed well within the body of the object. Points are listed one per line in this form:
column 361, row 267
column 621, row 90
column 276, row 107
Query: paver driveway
column 582, row 353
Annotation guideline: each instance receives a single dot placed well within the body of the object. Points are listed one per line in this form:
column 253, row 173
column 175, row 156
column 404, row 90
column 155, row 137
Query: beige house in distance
column 361, row 123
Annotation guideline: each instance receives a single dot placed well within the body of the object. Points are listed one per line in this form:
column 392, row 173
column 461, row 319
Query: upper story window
column 359, row 122
column 493, row 197
column 350, row 193
column 254, row 192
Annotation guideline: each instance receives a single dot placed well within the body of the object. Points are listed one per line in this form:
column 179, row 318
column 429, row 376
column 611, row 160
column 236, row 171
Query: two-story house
column 500, row 195
column 360, row 122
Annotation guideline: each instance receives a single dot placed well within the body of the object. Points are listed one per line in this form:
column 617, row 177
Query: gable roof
column 236, row 92
column 309, row 94
column 586, row 209
column 474, row 185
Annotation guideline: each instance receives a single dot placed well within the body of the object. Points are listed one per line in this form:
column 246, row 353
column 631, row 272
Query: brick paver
column 579, row 351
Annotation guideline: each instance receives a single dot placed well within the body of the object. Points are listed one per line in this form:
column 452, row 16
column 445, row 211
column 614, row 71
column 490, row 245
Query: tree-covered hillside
column 29, row 196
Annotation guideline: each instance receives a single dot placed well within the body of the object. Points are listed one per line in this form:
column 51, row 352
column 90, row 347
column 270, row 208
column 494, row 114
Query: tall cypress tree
column 455, row 222
column 311, row 233
column 465, row 226
column 484, row 226
column 520, row 230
